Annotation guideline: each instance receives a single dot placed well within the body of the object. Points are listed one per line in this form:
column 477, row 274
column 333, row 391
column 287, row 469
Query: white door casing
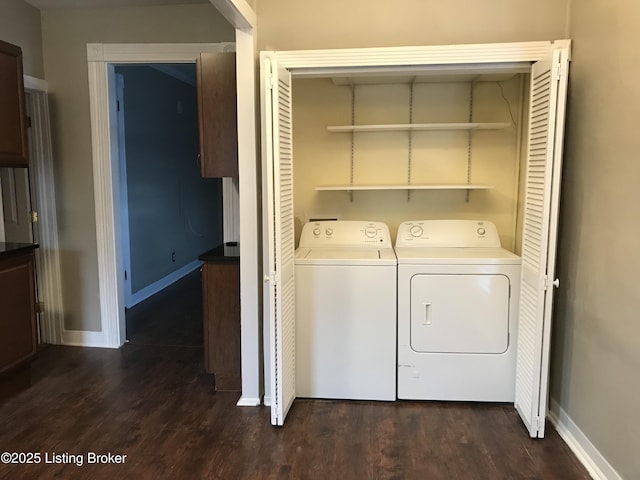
column 531, row 397
column 544, row 156
column 280, row 285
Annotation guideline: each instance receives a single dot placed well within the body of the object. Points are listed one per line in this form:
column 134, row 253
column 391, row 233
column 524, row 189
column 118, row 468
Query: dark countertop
column 9, row 248
column 225, row 253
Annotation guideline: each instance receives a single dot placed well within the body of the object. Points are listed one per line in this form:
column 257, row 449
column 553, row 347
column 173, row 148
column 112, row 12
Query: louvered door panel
column 282, row 248
column 540, row 158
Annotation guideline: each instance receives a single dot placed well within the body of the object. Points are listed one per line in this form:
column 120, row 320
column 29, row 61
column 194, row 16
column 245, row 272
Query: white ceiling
column 46, row 4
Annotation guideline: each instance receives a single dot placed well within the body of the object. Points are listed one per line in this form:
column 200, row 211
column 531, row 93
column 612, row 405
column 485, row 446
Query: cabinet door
column 221, row 296
column 13, row 127
column 218, row 115
column 18, row 318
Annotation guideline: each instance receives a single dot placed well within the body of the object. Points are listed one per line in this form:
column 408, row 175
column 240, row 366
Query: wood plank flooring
column 172, row 316
column 153, row 402
column 157, row 406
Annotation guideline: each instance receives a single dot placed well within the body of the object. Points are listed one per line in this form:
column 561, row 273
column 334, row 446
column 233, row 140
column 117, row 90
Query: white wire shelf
column 405, row 127
column 430, row 186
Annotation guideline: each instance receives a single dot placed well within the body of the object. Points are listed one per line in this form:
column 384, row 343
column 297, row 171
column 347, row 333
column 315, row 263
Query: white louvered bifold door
column 546, row 120
column 281, row 249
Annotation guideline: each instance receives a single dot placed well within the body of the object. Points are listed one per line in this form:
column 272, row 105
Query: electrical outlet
column 173, row 256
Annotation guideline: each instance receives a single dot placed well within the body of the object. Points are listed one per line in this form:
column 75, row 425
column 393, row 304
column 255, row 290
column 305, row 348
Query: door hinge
column 118, row 105
column 536, row 423
column 28, row 122
column 271, row 279
column 33, row 216
column 270, row 81
column 558, row 71
column 548, row 283
column 39, row 307
column 125, row 274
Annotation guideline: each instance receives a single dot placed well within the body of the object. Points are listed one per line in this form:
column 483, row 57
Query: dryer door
column 460, row 313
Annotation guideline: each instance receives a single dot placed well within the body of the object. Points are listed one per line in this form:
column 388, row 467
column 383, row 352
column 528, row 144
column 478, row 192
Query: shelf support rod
column 410, row 135
column 353, row 120
column 469, row 133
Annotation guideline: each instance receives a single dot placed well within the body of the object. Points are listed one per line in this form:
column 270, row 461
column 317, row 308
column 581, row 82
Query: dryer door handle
column 427, row 314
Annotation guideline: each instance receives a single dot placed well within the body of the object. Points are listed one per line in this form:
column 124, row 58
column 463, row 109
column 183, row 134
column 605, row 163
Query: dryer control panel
column 345, row 233
column 448, row 233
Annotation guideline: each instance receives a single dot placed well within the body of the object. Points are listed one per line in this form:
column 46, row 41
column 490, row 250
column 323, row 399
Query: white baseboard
column 595, row 463
column 267, row 400
column 248, row 402
column 163, row 283
column 84, row 338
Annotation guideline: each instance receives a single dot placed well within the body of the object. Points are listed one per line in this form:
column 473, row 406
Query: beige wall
column 66, row 33
column 324, row 158
column 596, row 347
column 596, row 337
column 20, row 25
column 294, row 24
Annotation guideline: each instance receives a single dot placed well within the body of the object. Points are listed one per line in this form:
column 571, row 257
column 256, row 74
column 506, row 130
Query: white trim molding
column 237, row 12
column 334, row 61
column 83, row 338
column 248, row 402
column 595, row 463
column 153, row 52
column 164, row 282
column 248, row 230
column 36, row 84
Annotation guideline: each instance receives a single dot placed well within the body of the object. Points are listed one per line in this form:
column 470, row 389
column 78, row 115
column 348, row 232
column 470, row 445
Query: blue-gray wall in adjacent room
column 171, row 207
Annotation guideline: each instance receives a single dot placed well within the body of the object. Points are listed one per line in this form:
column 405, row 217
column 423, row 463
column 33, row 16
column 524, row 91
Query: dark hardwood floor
column 156, row 405
column 172, row 316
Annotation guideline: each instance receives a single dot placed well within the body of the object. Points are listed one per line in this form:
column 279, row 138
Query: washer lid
column 345, row 256
column 455, row 256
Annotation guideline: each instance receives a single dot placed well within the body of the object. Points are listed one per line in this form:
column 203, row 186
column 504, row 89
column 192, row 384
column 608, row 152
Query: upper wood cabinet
column 218, row 115
column 13, row 125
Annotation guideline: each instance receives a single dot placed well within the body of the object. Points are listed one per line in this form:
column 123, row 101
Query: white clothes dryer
column 457, row 312
column 345, row 276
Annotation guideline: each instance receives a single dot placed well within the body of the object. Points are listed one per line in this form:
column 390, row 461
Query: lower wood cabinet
column 221, row 297
column 18, row 335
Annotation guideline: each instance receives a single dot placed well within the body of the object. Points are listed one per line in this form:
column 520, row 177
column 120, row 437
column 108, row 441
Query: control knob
column 329, row 231
column 416, row 231
column 481, row 231
column 316, row 231
column 370, row 232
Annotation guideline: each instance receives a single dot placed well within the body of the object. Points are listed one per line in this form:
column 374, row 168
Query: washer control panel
column 345, row 233
column 448, row 233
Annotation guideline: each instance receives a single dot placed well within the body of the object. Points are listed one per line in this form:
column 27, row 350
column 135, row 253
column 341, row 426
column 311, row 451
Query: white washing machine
column 345, row 274
column 457, row 312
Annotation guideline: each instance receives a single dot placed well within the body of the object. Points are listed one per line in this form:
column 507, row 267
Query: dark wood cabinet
column 217, row 112
column 13, row 119
column 221, row 296
column 18, row 334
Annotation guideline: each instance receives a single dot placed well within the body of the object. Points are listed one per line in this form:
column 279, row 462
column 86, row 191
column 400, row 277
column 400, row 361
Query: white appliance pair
column 437, row 323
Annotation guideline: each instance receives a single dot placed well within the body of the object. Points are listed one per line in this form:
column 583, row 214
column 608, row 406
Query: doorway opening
column 169, row 214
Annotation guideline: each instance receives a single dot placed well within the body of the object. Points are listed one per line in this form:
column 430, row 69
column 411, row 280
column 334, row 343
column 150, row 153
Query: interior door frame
column 325, row 63
column 101, row 59
column 243, row 18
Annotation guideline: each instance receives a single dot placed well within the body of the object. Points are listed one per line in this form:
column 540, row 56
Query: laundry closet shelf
column 431, row 186
column 405, row 127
